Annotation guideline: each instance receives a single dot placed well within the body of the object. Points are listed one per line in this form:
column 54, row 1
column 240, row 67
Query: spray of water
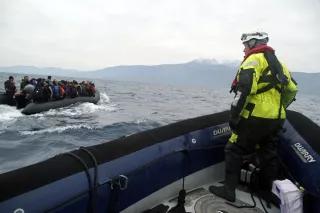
column 56, row 129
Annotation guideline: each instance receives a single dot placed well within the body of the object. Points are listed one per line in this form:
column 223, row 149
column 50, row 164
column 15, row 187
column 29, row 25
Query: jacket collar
column 259, row 49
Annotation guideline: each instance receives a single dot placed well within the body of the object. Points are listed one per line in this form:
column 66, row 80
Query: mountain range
column 197, row 73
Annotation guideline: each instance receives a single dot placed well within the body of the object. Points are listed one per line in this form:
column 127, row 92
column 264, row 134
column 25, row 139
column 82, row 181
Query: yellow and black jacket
column 265, row 87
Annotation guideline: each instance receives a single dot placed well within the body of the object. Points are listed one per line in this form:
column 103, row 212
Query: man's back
column 9, row 87
column 266, row 91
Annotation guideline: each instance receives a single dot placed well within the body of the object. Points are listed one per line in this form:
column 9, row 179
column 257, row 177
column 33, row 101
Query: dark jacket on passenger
column 10, row 87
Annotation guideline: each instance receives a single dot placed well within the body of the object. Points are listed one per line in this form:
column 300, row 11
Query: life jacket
column 61, row 90
column 92, row 89
column 73, row 91
column 68, row 90
column 55, row 91
column 268, row 92
column 46, row 93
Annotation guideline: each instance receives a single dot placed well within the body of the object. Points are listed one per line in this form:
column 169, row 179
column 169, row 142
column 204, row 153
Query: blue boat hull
column 126, row 170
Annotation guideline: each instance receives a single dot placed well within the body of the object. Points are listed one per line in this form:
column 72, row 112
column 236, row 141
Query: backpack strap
column 277, row 76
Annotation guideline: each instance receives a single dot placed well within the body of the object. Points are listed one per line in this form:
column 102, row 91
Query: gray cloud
column 94, row 34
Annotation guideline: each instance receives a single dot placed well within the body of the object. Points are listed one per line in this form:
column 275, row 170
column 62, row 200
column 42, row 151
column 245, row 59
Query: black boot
column 233, row 165
column 224, row 192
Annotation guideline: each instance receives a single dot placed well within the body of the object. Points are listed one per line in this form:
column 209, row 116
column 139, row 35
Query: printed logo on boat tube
column 221, row 130
column 303, row 154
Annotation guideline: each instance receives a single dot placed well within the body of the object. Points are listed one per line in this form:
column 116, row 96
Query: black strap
column 276, row 70
column 269, row 87
column 277, row 77
column 113, row 200
column 95, row 177
column 85, row 166
column 250, row 108
column 266, row 79
column 95, row 163
column 270, row 79
column 264, row 73
column 92, row 187
column 281, row 100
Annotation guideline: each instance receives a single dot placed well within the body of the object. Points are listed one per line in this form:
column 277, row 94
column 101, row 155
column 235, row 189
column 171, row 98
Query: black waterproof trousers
column 254, row 135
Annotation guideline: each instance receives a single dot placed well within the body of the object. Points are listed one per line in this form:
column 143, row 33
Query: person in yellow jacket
column 264, row 89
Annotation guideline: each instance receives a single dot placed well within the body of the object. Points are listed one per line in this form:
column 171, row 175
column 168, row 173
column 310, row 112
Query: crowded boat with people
column 37, row 95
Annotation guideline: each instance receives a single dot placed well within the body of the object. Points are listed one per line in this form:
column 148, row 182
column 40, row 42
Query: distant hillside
column 40, row 71
column 194, row 73
column 199, row 73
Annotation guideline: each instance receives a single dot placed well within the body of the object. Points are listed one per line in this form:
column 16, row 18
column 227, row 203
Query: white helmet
column 256, row 35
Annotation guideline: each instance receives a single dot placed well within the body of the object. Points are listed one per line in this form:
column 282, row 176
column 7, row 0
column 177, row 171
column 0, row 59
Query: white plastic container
column 289, row 194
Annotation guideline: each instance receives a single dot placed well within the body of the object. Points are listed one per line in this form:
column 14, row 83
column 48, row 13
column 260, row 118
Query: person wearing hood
column 263, row 90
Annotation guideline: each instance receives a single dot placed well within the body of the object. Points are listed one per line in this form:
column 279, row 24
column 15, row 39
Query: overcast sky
column 93, row 34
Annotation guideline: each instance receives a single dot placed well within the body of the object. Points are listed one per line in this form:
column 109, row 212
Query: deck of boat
column 198, row 198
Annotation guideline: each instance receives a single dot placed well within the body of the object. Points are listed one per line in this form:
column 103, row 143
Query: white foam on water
column 8, row 116
column 140, row 121
column 9, row 113
column 104, row 99
column 83, row 108
column 59, row 129
column 37, row 115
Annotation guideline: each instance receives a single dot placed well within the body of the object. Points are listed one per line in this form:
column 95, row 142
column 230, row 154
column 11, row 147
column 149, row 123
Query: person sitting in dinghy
column 55, row 90
column 264, row 89
column 91, row 89
column 62, row 90
column 24, row 82
column 28, row 91
column 46, row 92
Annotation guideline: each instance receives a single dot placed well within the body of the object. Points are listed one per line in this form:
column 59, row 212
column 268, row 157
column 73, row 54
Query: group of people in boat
column 44, row 90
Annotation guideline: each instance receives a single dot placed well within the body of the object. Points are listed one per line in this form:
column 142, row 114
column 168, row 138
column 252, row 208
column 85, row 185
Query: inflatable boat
column 32, row 108
column 5, row 99
column 144, row 172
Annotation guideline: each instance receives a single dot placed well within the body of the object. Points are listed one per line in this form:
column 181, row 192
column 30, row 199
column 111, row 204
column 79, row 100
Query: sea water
column 125, row 108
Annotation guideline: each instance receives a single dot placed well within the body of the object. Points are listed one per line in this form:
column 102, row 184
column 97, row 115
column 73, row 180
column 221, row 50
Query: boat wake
column 56, row 129
column 8, row 113
column 103, row 105
column 74, row 117
column 104, row 99
column 8, row 116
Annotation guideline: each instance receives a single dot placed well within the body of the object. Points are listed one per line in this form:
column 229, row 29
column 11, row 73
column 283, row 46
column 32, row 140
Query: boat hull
column 132, row 168
column 33, row 108
column 5, row 99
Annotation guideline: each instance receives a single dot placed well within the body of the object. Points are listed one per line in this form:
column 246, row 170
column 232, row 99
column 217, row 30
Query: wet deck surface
column 201, row 200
